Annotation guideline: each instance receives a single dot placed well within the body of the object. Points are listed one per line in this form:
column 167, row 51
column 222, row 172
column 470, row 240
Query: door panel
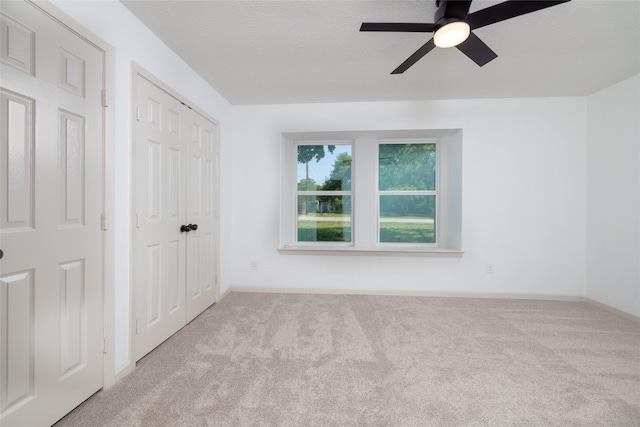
column 72, row 309
column 18, row 192
column 51, row 181
column 17, row 292
column 160, row 211
column 72, row 164
column 201, row 244
column 17, row 44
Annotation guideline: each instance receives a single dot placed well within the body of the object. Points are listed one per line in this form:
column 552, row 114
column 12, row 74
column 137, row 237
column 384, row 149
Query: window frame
column 297, row 193
column 364, row 192
column 434, row 193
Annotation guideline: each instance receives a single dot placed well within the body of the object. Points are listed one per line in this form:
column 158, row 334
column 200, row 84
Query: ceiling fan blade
column 401, row 27
column 476, row 50
column 426, row 48
column 456, row 9
column 507, row 10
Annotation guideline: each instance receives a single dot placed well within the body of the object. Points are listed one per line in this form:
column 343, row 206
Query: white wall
column 524, row 194
column 132, row 41
column 524, row 186
column 613, row 196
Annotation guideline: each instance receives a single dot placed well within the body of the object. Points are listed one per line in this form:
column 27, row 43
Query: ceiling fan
column 454, row 24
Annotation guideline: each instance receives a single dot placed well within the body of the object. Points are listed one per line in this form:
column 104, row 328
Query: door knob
column 194, row 227
column 1, row 254
column 185, row 228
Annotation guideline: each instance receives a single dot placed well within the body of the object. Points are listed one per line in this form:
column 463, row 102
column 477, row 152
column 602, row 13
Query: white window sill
column 349, row 250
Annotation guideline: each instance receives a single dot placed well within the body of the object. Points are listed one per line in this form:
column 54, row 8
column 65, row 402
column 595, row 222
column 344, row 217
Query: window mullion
column 324, row 193
column 408, row 193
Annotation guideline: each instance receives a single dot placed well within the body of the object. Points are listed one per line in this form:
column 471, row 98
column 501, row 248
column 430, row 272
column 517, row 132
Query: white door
column 201, row 212
column 51, row 197
column 176, row 225
column 160, row 213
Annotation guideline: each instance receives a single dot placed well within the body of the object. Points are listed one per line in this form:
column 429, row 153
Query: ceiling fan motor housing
column 450, row 10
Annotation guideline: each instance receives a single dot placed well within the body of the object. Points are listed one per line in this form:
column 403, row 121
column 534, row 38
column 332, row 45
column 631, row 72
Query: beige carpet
column 335, row 360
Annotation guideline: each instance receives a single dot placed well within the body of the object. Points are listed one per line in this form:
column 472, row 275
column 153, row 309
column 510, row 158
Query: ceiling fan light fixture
column 451, row 34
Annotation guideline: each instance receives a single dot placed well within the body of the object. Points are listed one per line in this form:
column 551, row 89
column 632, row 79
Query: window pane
column 407, row 167
column 324, row 218
column 324, row 167
column 407, row 219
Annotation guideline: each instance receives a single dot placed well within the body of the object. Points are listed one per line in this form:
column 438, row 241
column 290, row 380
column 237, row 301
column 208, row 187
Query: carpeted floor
column 338, row 360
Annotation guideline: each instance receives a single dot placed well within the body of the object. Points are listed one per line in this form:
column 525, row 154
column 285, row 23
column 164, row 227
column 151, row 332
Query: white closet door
column 160, row 213
column 51, row 198
column 201, row 211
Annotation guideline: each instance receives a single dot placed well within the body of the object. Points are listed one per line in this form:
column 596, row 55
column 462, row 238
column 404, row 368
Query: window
column 382, row 191
column 323, row 193
column 407, row 193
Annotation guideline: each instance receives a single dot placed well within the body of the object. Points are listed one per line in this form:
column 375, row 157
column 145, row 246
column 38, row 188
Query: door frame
column 108, row 190
column 138, row 70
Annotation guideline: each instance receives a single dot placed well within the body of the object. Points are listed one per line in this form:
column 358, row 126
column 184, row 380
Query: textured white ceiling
column 270, row 52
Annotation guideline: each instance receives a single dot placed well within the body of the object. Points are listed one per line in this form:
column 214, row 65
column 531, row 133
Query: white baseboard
column 442, row 294
column 119, row 374
column 224, row 294
column 125, row 370
column 613, row 310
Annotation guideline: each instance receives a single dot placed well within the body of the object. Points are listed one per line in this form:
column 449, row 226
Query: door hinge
column 217, row 213
column 103, row 222
column 137, row 327
column 105, row 98
column 137, row 220
column 138, row 114
column 104, row 346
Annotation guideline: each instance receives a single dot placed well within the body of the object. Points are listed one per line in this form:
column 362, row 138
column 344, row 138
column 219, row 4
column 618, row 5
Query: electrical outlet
column 253, row 265
column 491, row 269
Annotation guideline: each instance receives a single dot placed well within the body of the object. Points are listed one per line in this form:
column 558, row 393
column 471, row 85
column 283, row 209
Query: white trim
column 70, row 24
column 613, row 310
column 110, row 374
column 122, row 371
column 436, row 294
column 216, row 205
column 138, row 69
column 131, row 362
column 350, row 250
column 224, row 295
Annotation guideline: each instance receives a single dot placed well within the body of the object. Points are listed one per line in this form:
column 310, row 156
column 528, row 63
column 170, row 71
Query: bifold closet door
column 175, row 214
column 201, row 210
column 160, row 178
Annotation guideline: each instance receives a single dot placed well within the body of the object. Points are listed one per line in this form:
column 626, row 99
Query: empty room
column 319, row 213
